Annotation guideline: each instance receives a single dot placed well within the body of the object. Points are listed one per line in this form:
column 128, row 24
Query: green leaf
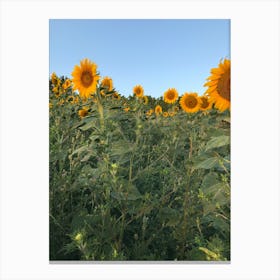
column 207, row 164
column 80, row 150
column 209, row 180
column 88, row 125
column 127, row 192
column 216, row 142
column 169, row 216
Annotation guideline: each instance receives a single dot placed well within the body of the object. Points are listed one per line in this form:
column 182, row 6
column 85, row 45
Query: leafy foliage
column 127, row 186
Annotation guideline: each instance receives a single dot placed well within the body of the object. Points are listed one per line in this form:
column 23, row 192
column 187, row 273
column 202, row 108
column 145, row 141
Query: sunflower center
column 86, row 78
column 191, row 102
column 171, row 95
column 223, row 86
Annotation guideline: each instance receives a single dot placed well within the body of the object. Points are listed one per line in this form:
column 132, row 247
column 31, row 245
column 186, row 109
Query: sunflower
column 149, row 112
column 61, row 102
column 85, row 78
column 83, row 112
column 190, row 102
column 70, row 99
column 116, row 96
column 53, row 77
column 145, row 100
column 219, row 86
column 126, row 109
column 171, row 114
column 56, row 90
column 138, row 91
column 55, row 80
column 158, row 109
column 170, row 96
column 165, row 114
column 66, row 84
column 205, row 103
column 107, row 83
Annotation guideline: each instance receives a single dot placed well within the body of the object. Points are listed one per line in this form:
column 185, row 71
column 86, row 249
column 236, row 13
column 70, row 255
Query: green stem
column 122, row 230
column 185, row 203
column 100, row 109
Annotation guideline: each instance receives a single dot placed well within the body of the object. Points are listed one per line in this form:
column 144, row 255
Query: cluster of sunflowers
column 87, row 81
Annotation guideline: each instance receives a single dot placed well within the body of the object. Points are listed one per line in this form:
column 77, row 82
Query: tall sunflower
column 205, row 103
column 116, row 96
column 158, row 110
column 85, row 78
column 149, row 112
column 107, row 83
column 55, row 80
column 83, row 112
column 66, row 84
column 138, row 91
column 170, row 96
column 219, row 86
column 145, row 100
column 190, row 102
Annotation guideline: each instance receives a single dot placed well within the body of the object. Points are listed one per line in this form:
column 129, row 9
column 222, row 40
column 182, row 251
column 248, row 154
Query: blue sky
column 158, row 54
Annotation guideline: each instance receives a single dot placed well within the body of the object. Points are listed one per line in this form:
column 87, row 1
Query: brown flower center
column 223, row 86
column 170, row 95
column 191, row 102
column 86, row 78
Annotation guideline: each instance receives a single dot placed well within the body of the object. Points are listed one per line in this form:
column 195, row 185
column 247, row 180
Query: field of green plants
column 138, row 178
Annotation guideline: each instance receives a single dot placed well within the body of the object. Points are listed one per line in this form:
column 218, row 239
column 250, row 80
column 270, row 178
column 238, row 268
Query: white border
column 24, row 137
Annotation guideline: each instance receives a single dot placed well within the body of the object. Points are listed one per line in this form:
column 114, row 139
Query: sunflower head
column 85, row 78
column 61, row 102
column 66, row 84
column 126, row 109
column 205, row 103
column 138, row 91
column 55, row 80
column 219, row 86
column 171, row 114
column 53, row 77
column 107, row 83
column 190, row 102
column 165, row 114
column 116, row 96
column 149, row 112
column 70, row 99
column 83, row 112
column 158, row 110
column 170, row 96
column 56, row 90
column 145, row 100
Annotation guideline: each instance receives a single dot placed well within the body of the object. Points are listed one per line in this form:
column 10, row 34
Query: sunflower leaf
column 216, row 142
column 207, row 164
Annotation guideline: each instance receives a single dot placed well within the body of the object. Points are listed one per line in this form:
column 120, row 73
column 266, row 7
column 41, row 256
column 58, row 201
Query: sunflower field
column 138, row 178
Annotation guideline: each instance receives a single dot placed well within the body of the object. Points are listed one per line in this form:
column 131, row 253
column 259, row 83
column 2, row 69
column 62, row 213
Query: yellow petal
column 210, row 83
column 217, row 71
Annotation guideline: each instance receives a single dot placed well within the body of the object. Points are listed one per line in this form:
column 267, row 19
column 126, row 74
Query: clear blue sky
column 158, row 54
